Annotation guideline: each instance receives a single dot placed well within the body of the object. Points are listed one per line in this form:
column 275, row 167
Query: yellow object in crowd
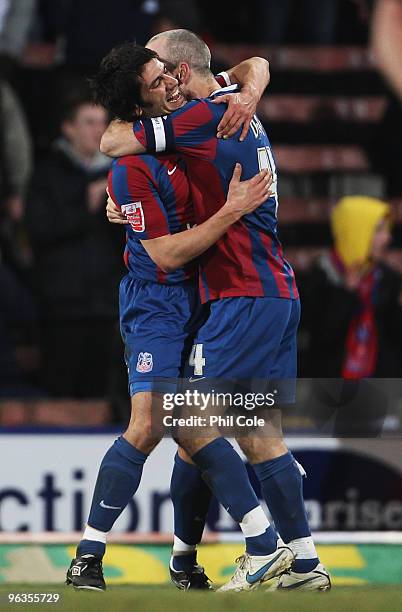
column 354, row 220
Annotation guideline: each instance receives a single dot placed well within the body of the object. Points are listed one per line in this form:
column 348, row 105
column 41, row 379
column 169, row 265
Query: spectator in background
column 91, row 28
column 16, row 17
column 352, row 311
column 386, row 42
column 15, row 171
column 175, row 14
column 77, row 256
column 386, row 34
column 18, row 337
column 352, row 300
column 316, row 19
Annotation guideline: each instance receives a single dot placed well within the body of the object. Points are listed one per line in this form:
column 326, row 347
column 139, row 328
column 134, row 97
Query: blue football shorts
column 252, row 340
column 158, row 324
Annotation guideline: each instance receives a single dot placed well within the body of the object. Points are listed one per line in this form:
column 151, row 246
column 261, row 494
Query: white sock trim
column 181, row 547
column 303, row 548
column 254, row 523
column 93, row 534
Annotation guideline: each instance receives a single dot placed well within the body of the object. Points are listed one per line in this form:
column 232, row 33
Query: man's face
column 381, row 239
column 159, row 90
column 85, row 130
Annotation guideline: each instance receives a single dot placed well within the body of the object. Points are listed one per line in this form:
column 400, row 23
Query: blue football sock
column 282, row 487
column 302, row 566
column 225, row 472
column 118, row 479
column 191, row 497
column 185, row 561
column 91, row 547
column 263, row 544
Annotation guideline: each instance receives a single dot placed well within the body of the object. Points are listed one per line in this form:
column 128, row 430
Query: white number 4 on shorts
column 197, row 360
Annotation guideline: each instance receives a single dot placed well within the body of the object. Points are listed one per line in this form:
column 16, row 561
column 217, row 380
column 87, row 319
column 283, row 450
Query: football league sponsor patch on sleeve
column 135, row 216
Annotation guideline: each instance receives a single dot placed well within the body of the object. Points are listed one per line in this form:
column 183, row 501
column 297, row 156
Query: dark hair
column 78, row 95
column 116, row 85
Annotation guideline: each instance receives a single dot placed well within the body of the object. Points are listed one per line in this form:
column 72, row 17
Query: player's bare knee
column 143, row 437
column 251, row 447
column 258, row 449
column 144, row 430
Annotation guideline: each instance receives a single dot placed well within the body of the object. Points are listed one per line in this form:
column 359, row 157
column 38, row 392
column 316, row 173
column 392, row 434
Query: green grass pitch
column 169, row 599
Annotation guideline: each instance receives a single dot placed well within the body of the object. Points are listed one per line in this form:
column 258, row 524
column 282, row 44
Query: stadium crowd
column 60, row 260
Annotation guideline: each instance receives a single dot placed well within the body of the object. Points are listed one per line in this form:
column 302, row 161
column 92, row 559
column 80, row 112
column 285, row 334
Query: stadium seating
column 57, row 413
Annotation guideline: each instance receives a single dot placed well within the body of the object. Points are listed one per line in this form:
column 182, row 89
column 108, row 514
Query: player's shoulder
column 138, row 164
column 207, row 106
column 222, row 91
column 199, row 109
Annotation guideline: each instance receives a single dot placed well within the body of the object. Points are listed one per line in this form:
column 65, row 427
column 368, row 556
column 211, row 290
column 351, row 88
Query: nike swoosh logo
column 103, row 505
column 297, row 585
column 251, row 579
column 192, row 379
column 170, row 172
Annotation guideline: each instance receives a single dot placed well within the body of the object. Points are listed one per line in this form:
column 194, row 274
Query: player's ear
column 184, row 73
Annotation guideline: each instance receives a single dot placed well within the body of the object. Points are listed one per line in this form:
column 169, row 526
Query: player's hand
column 114, row 213
column 241, row 109
column 245, row 196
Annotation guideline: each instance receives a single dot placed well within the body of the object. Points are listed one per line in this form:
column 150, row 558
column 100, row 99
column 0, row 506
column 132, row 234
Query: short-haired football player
column 255, row 310
column 159, row 315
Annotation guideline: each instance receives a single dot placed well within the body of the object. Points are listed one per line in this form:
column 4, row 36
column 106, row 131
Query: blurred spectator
column 16, row 17
column 15, row 171
column 387, row 48
column 352, row 312
column 178, row 14
column 77, row 256
column 86, row 40
column 18, row 337
column 352, row 301
column 386, row 33
column 316, row 20
column 91, row 28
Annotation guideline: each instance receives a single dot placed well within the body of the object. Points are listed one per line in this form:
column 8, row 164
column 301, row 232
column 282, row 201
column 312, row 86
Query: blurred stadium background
column 335, row 124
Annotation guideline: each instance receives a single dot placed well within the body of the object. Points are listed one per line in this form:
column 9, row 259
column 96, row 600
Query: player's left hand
column 241, row 109
column 113, row 212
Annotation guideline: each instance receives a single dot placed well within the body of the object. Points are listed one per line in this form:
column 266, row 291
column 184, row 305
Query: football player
column 255, row 310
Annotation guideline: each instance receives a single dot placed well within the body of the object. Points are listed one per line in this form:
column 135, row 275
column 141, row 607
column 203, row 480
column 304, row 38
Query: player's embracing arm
column 172, row 251
column 183, row 131
column 252, row 74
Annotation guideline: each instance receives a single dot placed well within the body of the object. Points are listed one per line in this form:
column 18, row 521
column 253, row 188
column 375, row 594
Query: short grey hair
column 185, row 46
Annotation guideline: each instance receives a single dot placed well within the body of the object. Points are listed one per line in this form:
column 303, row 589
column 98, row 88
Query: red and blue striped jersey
column 154, row 193
column 248, row 260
